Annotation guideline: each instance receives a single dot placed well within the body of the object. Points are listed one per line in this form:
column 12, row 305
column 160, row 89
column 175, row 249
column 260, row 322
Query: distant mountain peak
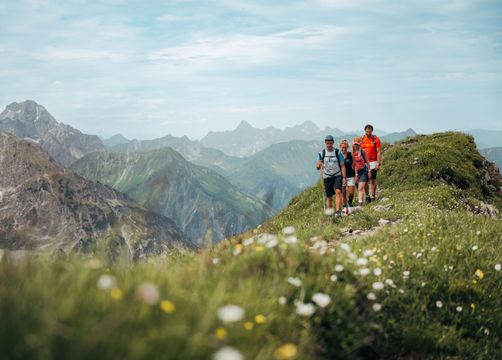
column 28, row 119
column 244, row 125
column 309, row 125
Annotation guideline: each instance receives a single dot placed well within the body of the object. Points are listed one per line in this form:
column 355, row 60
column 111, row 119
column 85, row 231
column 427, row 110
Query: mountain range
column 202, row 203
column 246, row 140
column 46, row 206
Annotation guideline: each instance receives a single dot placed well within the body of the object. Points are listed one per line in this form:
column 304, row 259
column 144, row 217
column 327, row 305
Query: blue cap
column 329, row 138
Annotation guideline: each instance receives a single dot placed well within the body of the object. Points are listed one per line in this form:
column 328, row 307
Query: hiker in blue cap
column 331, row 164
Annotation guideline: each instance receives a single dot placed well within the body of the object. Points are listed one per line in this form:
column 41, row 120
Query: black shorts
column 374, row 174
column 362, row 175
column 332, row 183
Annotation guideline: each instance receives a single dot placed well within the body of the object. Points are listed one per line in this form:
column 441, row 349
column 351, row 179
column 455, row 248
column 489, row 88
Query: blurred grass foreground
column 415, row 275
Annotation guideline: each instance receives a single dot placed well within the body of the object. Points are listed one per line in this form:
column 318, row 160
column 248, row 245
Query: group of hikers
column 342, row 170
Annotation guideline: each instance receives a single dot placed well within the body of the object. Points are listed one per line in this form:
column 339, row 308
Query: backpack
column 373, row 139
column 336, row 155
column 363, row 154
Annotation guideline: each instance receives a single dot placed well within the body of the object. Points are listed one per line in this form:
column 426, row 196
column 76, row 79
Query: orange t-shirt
column 369, row 147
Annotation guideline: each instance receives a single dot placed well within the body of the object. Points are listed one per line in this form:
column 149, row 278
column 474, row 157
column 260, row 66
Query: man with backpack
column 372, row 147
column 331, row 161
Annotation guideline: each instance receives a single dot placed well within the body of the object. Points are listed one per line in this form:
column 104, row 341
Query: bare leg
column 338, row 200
column 344, row 195
column 361, row 192
column 373, row 187
column 329, row 203
column 351, row 194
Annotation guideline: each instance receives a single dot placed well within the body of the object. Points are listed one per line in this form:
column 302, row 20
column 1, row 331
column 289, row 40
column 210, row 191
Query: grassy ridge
column 440, row 291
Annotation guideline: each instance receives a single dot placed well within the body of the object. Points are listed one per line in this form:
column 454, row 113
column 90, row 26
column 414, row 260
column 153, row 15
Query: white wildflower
column 248, row 242
column 475, row 247
column 288, row 230
column 322, row 300
column 364, row 271
column 282, row 300
column 230, row 313
column 377, row 271
column 378, row 285
column 390, row 282
column 295, row 281
column 304, row 309
column 371, row 296
column 339, row 268
column 362, row 261
column 377, row 307
column 439, row 304
column 228, row 353
column 106, row 282
column 216, row 261
column 498, row 267
column 333, row 278
column 368, row 253
column 272, row 243
column 345, row 247
column 459, row 308
column 291, row 240
column 406, row 273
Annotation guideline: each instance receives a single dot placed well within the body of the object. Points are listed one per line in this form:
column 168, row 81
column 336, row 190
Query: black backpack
column 336, row 155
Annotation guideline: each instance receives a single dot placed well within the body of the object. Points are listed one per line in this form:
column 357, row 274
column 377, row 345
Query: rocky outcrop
column 45, row 206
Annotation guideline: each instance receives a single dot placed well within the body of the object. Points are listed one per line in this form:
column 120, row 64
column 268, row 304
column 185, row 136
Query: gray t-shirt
column 331, row 167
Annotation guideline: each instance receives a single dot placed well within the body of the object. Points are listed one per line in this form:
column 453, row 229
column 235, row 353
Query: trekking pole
column 323, row 190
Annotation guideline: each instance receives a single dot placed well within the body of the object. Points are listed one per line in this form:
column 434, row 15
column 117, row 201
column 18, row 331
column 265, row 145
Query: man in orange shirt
column 372, row 146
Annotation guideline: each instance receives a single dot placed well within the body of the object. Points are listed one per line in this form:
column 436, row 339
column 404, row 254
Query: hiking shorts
column 363, row 174
column 332, row 183
column 374, row 171
column 351, row 181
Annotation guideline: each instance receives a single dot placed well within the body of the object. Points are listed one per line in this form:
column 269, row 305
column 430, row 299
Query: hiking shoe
column 338, row 214
column 368, row 199
column 350, row 203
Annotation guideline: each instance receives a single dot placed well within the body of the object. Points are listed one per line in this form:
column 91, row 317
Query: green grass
column 53, row 308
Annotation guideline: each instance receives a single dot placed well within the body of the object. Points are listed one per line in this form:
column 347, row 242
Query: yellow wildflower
column 116, row 294
column 473, row 306
column 221, row 333
column 259, row 248
column 248, row 325
column 286, row 352
column 167, row 306
column 260, row 319
column 479, row 274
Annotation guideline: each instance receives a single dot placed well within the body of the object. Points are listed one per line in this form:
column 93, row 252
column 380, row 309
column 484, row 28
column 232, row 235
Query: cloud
column 80, row 54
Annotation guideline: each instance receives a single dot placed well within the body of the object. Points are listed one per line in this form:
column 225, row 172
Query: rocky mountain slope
column 45, row 206
column 33, row 122
column 493, row 154
column 201, row 202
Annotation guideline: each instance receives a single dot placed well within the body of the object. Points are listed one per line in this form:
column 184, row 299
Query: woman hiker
column 348, row 160
column 362, row 175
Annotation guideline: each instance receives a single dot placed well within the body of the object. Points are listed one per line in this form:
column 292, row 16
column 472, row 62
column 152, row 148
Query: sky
column 151, row 68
